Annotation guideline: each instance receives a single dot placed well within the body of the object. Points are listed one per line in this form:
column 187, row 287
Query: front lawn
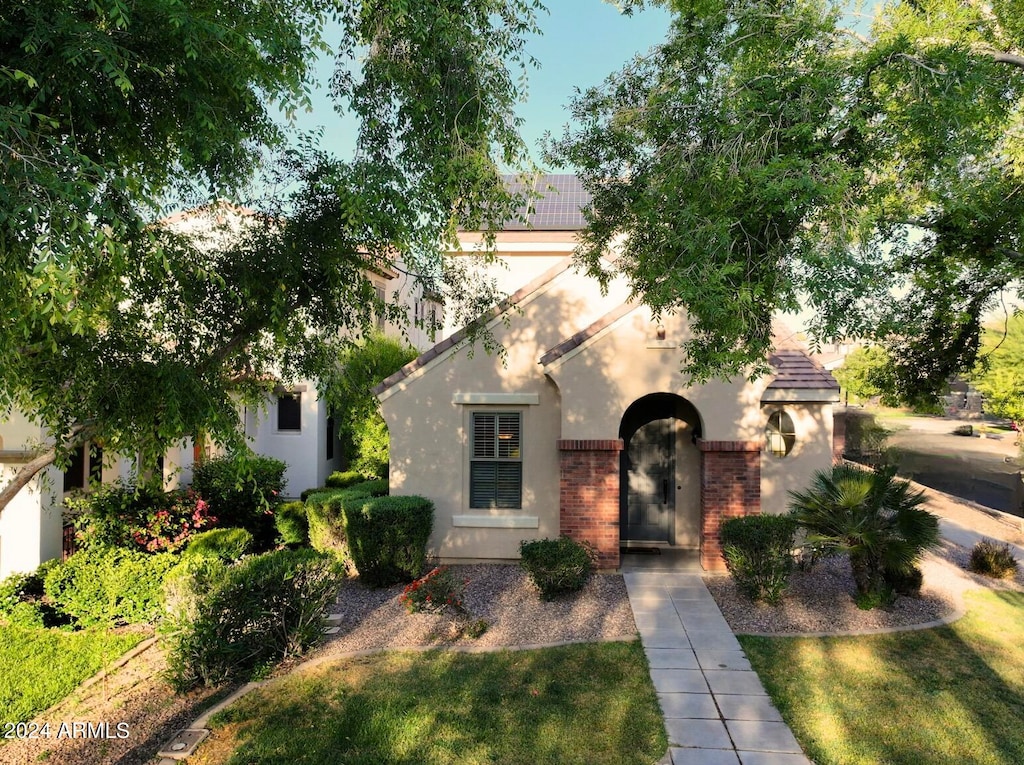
column 591, row 703
column 953, row 694
column 39, row 667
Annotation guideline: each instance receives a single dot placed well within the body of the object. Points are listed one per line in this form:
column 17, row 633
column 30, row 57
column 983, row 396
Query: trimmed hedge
column 109, row 586
column 226, row 544
column 387, row 537
column 324, row 517
column 556, row 565
column 292, row 524
column 339, row 480
column 231, row 621
column 758, row 552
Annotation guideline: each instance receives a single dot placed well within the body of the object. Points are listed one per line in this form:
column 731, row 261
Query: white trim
column 497, row 521
column 501, row 399
column 663, row 345
column 799, row 395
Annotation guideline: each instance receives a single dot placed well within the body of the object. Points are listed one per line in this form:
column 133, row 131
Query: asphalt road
column 983, row 469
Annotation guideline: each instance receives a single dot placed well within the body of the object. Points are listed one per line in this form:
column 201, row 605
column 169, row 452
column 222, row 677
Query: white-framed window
column 496, row 460
column 289, row 412
column 779, row 433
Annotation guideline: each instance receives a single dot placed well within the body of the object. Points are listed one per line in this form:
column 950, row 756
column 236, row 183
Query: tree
column 765, row 156
column 866, row 373
column 139, row 336
column 999, row 375
column 362, row 430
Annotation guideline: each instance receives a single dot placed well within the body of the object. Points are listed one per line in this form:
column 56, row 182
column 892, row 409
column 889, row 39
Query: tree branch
column 79, row 434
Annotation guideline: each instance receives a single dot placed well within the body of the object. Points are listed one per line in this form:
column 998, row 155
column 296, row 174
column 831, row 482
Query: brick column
column 588, row 500
column 730, row 486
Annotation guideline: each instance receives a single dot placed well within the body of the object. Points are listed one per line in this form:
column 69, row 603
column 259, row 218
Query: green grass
column 591, row 704
column 939, row 696
column 39, row 667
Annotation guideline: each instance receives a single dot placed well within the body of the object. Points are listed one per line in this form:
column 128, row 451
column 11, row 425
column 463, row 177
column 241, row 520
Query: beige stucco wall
column 627, row 361
column 812, row 451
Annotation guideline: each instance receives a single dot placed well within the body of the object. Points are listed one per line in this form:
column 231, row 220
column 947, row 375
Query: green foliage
column 434, row 592
column 993, row 559
column 556, row 566
column 904, row 582
column 758, row 552
column 226, row 544
column 339, row 480
column 242, row 491
column 997, row 375
column 770, row 152
column 142, row 336
column 874, row 517
column 292, row 524
column 387, row 537
column 326, row 526
column 227, row 621
column 109, row 586
column 39, row 667
column 22, row 598
column 866, row 440
column 866, row 373
column 362, row 430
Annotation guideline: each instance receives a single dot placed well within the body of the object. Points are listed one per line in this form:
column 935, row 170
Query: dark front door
column 651, row 475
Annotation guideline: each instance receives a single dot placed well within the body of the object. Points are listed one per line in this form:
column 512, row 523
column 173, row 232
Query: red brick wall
column 730, row 486
column 589, row 495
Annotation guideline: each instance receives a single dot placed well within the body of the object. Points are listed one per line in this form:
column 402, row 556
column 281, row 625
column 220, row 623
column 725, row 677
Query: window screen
column 496, row 468
column 289, row 411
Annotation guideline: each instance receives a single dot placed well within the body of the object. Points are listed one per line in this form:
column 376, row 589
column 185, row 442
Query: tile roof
column 795, row 369
column 585, row 334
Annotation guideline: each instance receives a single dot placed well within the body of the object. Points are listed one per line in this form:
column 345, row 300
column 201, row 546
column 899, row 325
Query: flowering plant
column 434, row 592
column 169, row 528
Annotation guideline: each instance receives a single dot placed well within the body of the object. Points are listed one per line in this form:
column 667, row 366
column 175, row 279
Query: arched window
column 779, row 433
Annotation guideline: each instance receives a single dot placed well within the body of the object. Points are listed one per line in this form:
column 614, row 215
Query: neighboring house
column 294, row 425
column 586, row 425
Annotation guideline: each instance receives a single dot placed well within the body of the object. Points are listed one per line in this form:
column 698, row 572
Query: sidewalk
column 716, row 710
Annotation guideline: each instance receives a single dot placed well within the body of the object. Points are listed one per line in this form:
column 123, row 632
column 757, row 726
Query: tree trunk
column 25, row 474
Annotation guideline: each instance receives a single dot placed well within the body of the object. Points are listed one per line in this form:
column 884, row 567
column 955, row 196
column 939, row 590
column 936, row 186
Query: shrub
column 993, row 559
column 21, row 599
column 324, row 517
column 758, row 552
column 292, row 524
column 963, row 430
column 109, row 586
column 139, row 517
column 229, row 621
column 226, row 544
column 874, row 517
column 242, row 491
column 338, row 480
column 556, row 565
column 434, row 592
column 387, row 536
column 907, row 583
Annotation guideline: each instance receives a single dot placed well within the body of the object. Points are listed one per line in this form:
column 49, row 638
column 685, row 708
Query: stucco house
column 586, row 426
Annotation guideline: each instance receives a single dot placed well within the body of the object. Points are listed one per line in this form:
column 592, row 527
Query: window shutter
column 496, row 469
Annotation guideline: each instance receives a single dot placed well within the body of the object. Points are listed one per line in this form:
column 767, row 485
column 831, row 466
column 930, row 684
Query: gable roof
column 451, row 342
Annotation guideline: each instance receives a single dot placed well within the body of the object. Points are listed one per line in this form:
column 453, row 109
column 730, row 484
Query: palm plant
column 874, row 517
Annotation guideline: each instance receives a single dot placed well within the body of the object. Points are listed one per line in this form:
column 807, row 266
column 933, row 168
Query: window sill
column 496, row 521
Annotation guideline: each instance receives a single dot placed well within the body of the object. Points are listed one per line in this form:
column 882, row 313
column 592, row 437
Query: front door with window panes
column 496, row 462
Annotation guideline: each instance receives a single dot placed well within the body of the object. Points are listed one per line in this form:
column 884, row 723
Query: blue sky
column 583, row 42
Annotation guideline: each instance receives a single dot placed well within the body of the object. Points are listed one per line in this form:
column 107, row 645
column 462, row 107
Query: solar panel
column 558, row 208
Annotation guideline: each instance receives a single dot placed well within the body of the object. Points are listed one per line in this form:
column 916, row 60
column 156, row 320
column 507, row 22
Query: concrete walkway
column 716, row 710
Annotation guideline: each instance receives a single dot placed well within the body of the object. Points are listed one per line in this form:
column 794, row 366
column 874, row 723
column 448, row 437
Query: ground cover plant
column 591, row 704
column 993, row 559
column 925, row 697
column 39, row 667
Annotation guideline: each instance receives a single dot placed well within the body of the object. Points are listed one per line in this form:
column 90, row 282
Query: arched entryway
column 659, row 474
